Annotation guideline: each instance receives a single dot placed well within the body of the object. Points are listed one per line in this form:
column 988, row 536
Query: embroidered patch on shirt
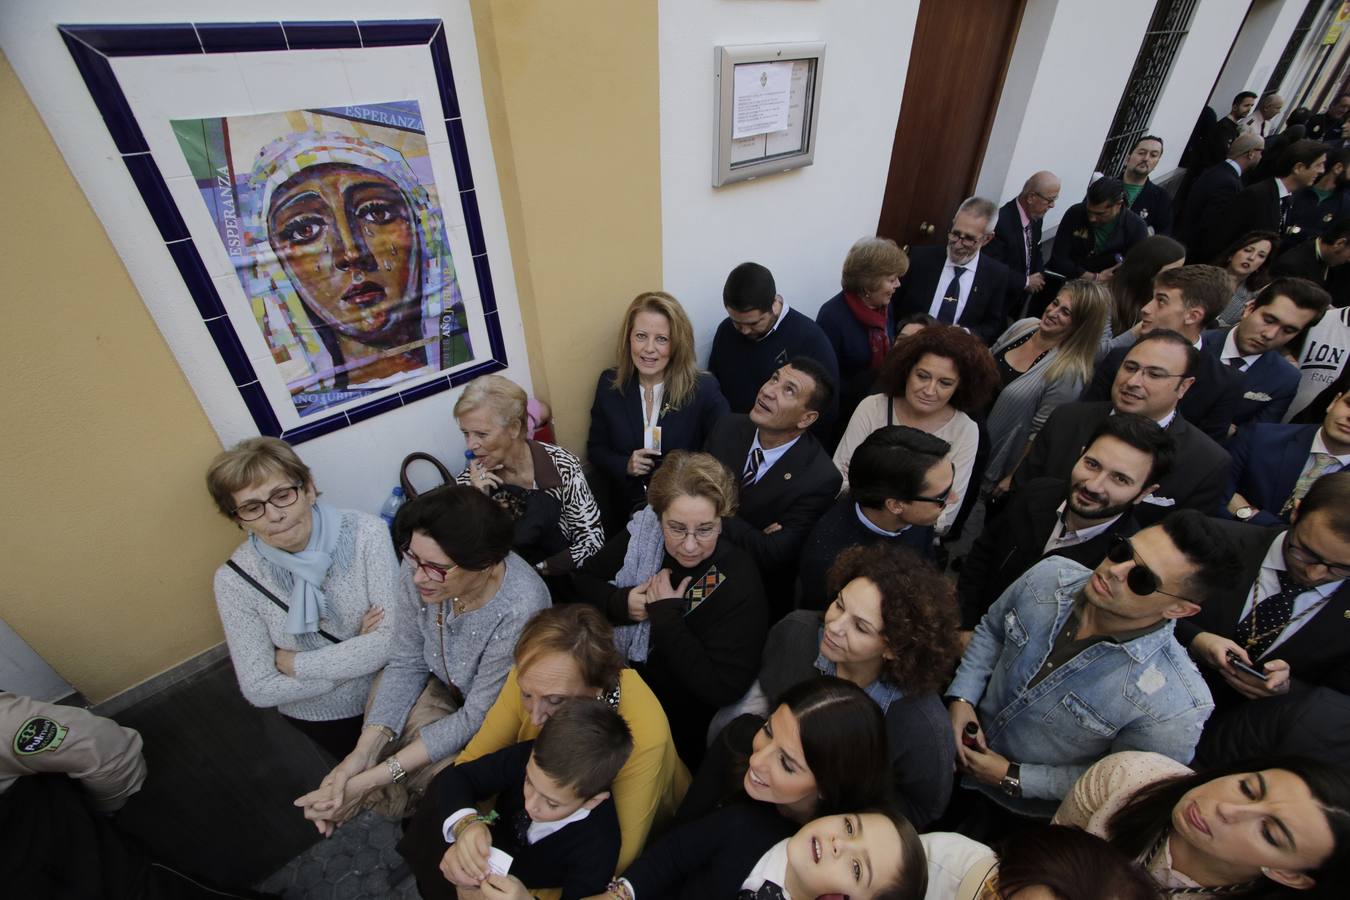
column 38, row 734
column 1152, row 680
column 702, row 589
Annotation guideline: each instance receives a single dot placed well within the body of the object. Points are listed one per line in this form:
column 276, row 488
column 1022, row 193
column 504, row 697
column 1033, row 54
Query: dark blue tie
column 950, row 298
column 1268, row 618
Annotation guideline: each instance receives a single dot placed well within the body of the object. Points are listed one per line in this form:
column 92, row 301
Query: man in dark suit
column 1076, row 517
column 958, row 284
column 1156, row 374
column 899, row 482
column 1017, row 239
column 1321, row 260
column 1252, row 347
column 1327, row 201
column 787, row 478
column 1273, row 466
column 1185, row 300
column 1147, row 200
column 1096, row 234
column 1266, row 205
column 1213, row 191
column 1290, row 618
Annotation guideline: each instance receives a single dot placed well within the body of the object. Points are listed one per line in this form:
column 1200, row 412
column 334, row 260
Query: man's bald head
column 1246, row 149
column 1039, row 194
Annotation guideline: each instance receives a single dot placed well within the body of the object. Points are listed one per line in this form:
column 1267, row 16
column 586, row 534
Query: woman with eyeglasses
column 689, row 607
column 463, row 600
column 1260, row 828
column 302, row 599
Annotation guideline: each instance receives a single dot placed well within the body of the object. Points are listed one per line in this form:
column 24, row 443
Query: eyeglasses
column 1151, row 373
column 1048, row 201
column 280, row 498
column 703, row 533
column 433, row 571
column 1309, row 558
column 1140, row 579
column 962, row 238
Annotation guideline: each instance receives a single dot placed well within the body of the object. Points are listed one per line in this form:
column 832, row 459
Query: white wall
column 1256, row 51
column 1066, row 78
column 800, row 223
column 1213, row 27
column 1065, row 81
column 357, row 465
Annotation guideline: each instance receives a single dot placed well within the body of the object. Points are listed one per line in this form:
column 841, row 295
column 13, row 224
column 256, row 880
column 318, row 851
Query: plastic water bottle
column 390, row 508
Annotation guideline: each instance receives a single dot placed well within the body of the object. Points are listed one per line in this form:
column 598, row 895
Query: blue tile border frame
column 91, row 46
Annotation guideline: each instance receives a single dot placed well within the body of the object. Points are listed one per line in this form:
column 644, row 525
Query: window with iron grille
column 1305, row 24
column 1162, row 41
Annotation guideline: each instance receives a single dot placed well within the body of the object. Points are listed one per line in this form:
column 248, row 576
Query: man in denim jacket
column 1071, row 664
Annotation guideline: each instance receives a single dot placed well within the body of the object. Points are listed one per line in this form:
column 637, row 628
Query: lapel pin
column 1346, row 613
column 787, row 476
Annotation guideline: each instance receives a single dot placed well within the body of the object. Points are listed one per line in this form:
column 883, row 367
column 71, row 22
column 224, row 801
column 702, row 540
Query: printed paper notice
column 762, row 95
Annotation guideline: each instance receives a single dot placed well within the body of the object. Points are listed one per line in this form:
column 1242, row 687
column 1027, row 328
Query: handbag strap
column 408, row 490
column 271, row 596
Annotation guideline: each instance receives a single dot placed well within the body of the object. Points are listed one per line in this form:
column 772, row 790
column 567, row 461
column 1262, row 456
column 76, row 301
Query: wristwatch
column 1012, row 782
column 395, row 769
column 1244, row 513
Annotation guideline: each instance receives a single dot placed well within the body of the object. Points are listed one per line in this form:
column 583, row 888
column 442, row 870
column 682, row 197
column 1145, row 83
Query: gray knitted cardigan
column 471, row 651
column 331, row 680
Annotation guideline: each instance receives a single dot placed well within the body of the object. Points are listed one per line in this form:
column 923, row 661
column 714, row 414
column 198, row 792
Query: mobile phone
column 1241, row 666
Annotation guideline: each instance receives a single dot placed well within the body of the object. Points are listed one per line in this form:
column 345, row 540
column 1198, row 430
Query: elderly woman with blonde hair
column 542, row 486
column 854, row 319
column 302, row 599
column 689, row 607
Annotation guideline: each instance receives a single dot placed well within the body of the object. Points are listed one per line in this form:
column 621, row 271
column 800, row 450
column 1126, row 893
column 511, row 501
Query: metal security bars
column 1166, row 32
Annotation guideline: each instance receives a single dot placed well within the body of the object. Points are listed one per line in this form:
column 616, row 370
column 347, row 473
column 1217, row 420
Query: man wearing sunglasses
column 1155, row 374
column 1075, row 517
column 1290, row 617
column 957, row 284
column 1073, row 663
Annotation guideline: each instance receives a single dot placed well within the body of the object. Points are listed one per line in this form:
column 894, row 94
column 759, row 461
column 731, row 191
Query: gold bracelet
column 384, row 730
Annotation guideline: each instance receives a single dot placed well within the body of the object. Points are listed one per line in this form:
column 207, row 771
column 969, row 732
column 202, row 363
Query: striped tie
column 752, row 467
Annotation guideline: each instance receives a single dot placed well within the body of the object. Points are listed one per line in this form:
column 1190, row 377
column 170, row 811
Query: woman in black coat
column 689, row 607
column 653, row 401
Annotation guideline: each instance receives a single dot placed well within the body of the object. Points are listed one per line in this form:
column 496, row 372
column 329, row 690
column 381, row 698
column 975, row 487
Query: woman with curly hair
column 890, row 628
column 934, row 381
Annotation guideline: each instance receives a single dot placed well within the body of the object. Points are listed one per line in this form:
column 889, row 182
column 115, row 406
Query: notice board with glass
column 767, row 104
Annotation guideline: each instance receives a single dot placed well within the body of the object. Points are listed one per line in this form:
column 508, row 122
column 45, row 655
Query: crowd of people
column 748, row 651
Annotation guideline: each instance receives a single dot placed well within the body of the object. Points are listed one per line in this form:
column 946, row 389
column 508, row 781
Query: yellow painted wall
column 573, row 103
column 109, row 539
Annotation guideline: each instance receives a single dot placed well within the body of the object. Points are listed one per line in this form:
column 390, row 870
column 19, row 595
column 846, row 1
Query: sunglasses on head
column 1141, row 580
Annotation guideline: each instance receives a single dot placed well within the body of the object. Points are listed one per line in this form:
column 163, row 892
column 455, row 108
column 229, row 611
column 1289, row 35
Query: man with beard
column 1076, row 518
column 1156, row 373
column 1152, row 203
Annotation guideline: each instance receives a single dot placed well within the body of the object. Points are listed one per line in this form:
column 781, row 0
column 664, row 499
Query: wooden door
column 956, row 68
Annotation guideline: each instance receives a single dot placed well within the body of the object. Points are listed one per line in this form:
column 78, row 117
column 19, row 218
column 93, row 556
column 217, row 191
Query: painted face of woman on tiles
column 345, row 236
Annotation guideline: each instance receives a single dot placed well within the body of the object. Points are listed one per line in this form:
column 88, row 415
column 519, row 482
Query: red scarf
column 874, row 320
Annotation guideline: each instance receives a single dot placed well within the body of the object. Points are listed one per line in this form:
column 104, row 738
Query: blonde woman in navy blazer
column 655, row 384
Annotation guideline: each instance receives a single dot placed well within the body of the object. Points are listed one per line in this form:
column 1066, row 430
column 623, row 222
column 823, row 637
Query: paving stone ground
column 358, row 861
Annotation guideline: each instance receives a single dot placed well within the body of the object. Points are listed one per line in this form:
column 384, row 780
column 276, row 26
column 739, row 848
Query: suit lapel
column 633, row 412
column 1294, row 455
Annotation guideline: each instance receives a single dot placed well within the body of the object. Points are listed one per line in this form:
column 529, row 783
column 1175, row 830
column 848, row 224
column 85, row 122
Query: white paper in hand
column 499, row 862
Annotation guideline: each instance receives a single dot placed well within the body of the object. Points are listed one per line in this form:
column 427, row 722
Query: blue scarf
column 308, row 568
column 642, row 560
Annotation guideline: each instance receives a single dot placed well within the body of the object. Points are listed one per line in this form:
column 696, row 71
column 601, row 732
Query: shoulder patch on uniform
column 37, row 735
